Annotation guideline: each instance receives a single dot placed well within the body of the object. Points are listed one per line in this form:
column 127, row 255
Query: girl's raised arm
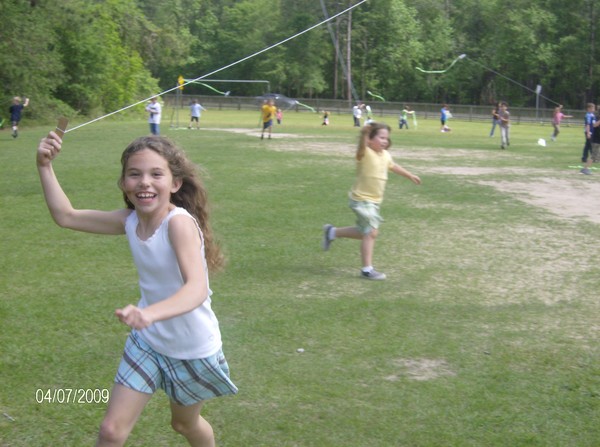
column 63, row 213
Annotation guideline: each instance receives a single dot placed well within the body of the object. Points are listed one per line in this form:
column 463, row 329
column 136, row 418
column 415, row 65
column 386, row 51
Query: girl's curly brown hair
column 192, row 195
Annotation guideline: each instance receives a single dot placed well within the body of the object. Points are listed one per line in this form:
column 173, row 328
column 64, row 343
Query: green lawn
column 484, row 334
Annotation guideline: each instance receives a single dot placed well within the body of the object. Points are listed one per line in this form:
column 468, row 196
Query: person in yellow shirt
column 373, row 161
column 268, row 111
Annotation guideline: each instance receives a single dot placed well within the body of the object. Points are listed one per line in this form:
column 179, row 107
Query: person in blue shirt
column 444, row 115
column 590, row 123
column 15, row 114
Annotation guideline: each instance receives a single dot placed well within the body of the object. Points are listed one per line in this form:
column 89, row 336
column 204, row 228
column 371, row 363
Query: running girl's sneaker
column 373, row 275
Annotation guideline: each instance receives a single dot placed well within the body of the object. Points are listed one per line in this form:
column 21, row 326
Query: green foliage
column 110, row 67
column 92, row 57
column 31, row 62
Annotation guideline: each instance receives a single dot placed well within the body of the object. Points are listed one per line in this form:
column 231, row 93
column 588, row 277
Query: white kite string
column 220, row 69
column 511, row 80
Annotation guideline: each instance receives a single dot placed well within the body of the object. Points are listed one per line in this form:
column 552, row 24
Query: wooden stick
column 61, row 127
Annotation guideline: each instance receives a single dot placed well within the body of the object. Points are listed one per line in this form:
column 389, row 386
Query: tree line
column 95, row 56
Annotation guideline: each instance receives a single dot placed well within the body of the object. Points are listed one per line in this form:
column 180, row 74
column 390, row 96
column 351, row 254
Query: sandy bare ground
column 567, row 198
column 569, row 195
column 566, row 194
column 421, row 369
column 252, row 132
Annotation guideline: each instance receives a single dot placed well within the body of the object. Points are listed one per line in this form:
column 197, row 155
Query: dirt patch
column 251, row 132
column 421, row 369
column 319, row 148
column 566, row 194
column 471, row 171
column 567, row 198
column 440, row 153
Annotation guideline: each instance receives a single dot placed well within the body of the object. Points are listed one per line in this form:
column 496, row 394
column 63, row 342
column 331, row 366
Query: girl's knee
column 373, row 233
column 185, row 427
column 196, row 428
column 112, row 433
column 181, row 427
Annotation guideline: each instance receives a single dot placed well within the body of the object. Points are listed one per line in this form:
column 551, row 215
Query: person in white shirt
column 154, row 110
column 195, row 113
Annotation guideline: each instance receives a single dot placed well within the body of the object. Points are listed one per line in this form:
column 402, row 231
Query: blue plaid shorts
column 186, row 382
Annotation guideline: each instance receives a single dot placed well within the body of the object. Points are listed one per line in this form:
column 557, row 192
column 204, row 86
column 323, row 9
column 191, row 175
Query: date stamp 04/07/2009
column 72, row 395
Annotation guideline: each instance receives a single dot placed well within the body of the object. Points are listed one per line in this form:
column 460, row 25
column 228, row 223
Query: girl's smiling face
column 380, row 141
column 148, row 181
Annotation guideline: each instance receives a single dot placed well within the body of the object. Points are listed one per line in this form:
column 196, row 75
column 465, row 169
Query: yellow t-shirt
column 371, row 176
column 268, row 112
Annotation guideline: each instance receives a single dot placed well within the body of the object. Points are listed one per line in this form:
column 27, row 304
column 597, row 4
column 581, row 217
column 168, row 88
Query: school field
column 486, row 332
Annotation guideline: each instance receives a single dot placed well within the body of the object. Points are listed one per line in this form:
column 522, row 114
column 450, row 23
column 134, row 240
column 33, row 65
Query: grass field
column 484, row 334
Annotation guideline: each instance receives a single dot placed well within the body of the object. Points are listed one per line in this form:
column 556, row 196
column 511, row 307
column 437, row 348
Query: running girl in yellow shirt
column 372, row 166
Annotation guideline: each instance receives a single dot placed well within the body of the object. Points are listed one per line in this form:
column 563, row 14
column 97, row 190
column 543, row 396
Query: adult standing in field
column 268, row 111
column 557, row 117
column 590, row 123
column 373, row 161
column 15, row 110
column 174, row 342
column 154, row 110
column 195, row 113
column 495, row 118
column 504, row 116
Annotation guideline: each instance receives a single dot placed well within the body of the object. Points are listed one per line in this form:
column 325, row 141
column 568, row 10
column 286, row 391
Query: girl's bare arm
column 59, row 205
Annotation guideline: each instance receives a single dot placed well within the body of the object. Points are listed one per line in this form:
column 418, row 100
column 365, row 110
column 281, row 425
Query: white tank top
column 193, row 335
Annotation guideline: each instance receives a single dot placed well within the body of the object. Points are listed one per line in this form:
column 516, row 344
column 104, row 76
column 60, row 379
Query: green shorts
column 367, row 215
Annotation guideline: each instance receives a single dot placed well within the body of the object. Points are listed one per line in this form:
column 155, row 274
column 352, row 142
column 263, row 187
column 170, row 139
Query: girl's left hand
column 133, row 316
column 415, row 179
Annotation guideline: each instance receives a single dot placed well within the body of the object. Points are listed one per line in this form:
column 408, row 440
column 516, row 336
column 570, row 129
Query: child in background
column 195, row 113
column 279, row 115
column 404, row 117
column 325, row 118
column 154, row 110
column 373, row 161
column 357, row 113
column 268, row 111
column 590, row 123
column 444, row 116
column 556, row 120
column 175, row 342
column 504, row 116
column 15, row 111
column 495, row 118
column 369, row 113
